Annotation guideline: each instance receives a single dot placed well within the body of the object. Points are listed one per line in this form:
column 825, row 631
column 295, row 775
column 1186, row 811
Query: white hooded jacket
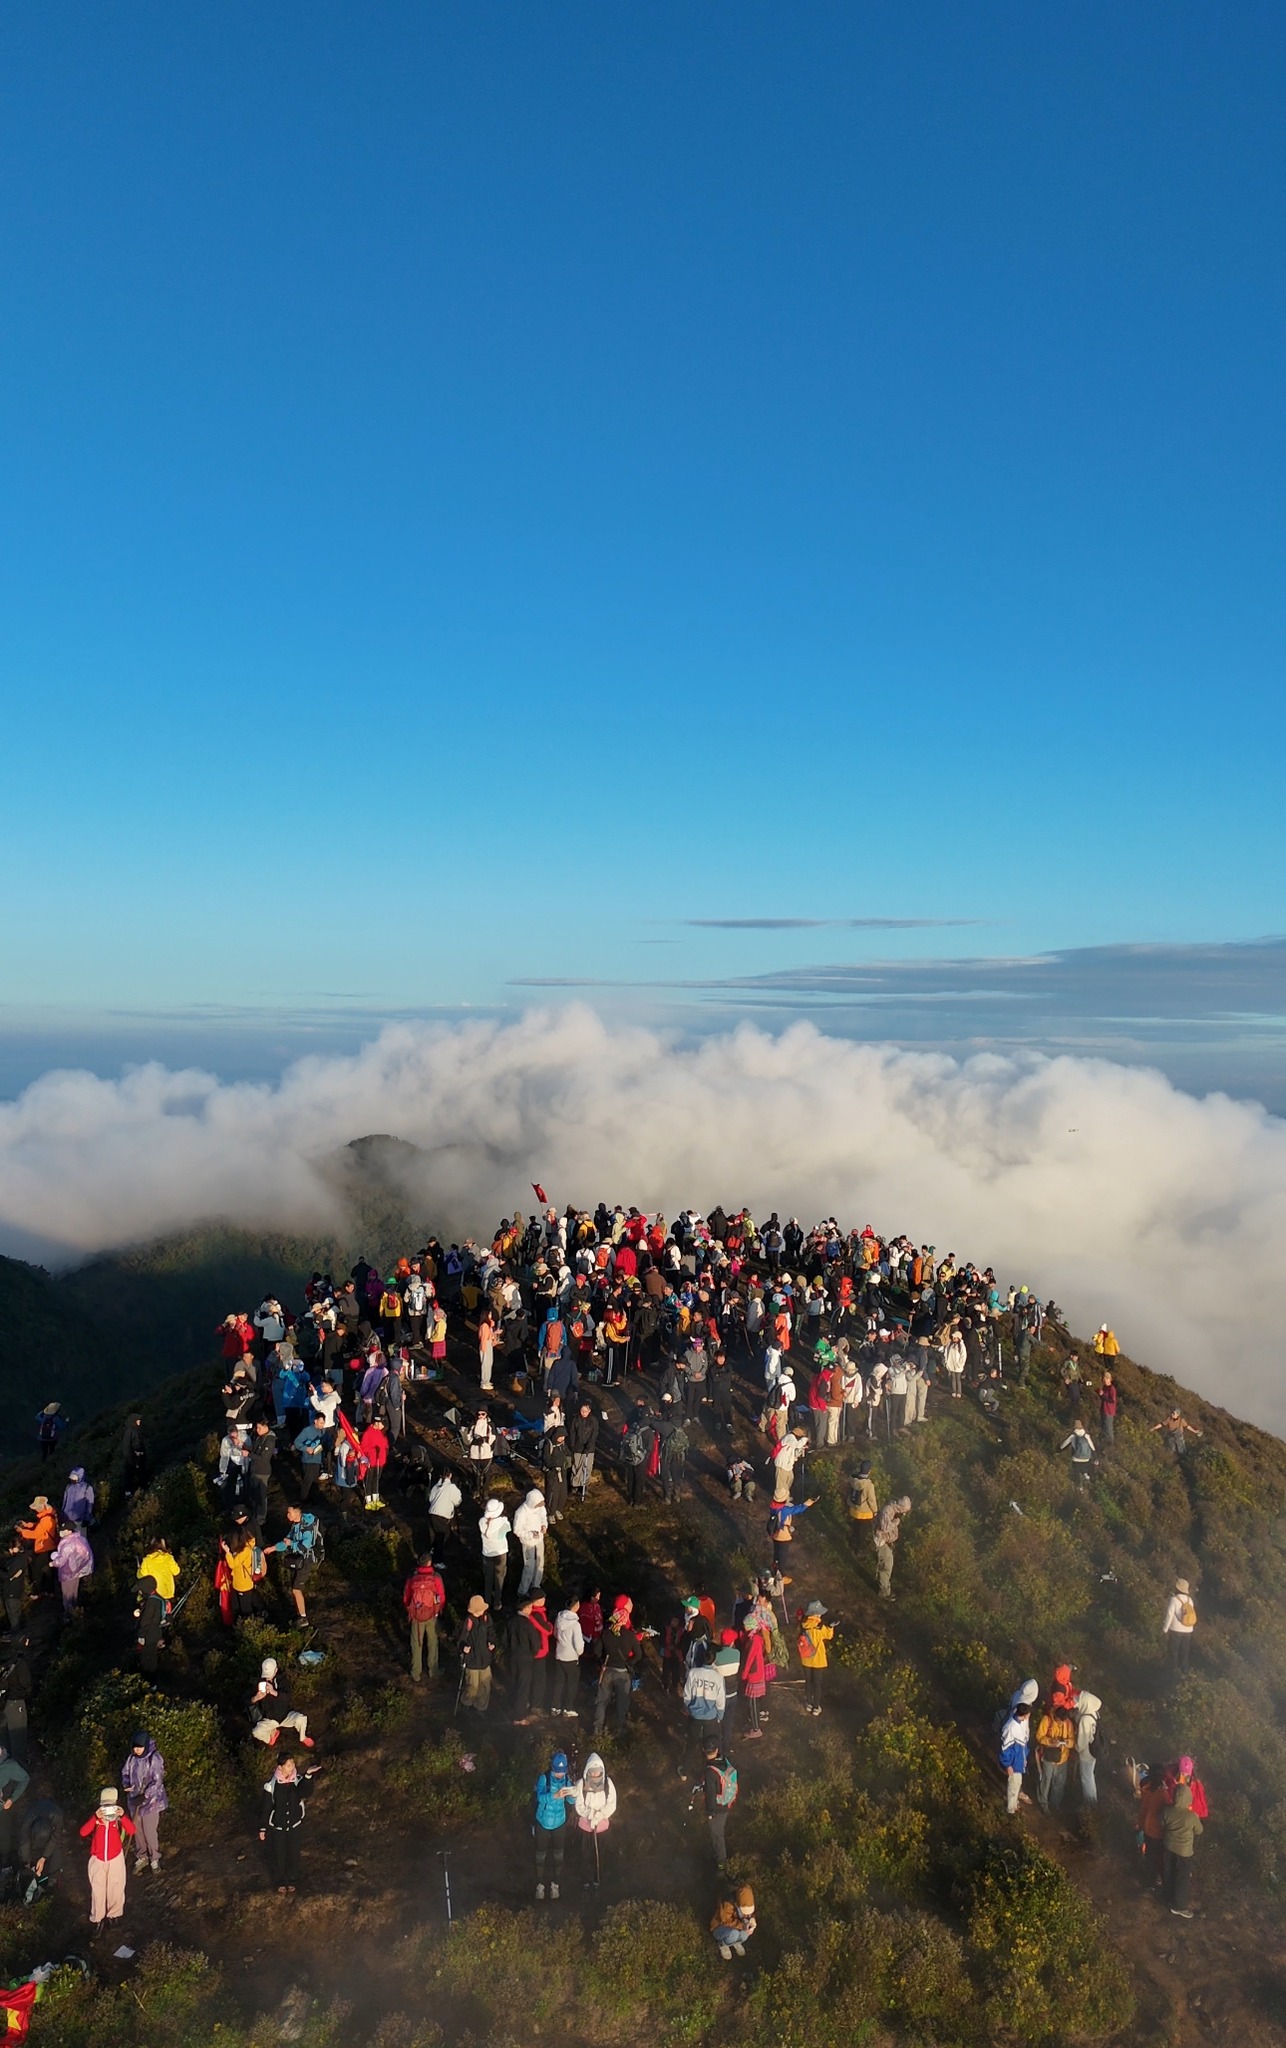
column 531, row 1520
column 595, row 1796
column 495, row 1530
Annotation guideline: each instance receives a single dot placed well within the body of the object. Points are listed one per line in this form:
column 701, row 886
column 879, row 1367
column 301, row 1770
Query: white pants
column 264, row 1730
column 533, row 1566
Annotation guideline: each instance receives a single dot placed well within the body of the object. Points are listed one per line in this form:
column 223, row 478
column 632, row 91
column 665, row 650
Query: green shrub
column 1049, row 1971
column 650, row 1963
column 198, row 1772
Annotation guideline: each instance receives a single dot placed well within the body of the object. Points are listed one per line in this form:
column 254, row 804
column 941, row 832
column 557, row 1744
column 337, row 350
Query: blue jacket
column 551, row 1812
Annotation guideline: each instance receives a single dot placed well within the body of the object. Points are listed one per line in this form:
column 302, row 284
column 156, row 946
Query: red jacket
column 106, row 1842
column 374, row 1442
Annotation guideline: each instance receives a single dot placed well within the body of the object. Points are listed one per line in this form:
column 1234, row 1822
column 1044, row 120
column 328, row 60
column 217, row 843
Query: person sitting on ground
column 270, row 1709
column 733, row 1923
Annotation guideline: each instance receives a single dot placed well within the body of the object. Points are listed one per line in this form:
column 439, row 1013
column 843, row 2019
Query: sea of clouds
column 1100, row 1185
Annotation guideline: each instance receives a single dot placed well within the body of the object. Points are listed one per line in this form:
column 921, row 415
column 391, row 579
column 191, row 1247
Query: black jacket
column 477, row 1642
column 284, row 1806
column 582, row 1434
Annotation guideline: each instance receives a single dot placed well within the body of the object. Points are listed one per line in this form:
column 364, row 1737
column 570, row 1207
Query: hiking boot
column 1181, row 1912
column 553, row 1891
column 156, row 1863
column 540, row 1891
column 725, row 1952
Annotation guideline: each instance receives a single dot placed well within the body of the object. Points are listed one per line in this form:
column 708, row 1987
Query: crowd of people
column 608, row 1345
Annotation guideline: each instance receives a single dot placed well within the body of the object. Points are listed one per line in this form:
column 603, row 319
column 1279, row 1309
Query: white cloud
column 1099, row 1184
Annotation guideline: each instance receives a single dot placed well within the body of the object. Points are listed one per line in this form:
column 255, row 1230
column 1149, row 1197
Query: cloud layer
column 1099, row 1184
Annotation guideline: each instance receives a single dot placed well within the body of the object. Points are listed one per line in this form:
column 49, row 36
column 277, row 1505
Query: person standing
column 285, row 1810
column 1081, row 1445
column 530, row 1523
column 424, row 1597
column 595, row 1800
column 374, row 1445
column 300, row 1550
column 150, row 1617
column 482, row 1449
column 1088, row 1709
column 621, row 1654
column 718, row 1787
column 704, row 1701
column 1108, row 1404
column 143, row 1782
column 1179, row 1628
column 106, row 1831
column 486, row 1347
column 554, row 1791
column 863, row 1505
column 17, row 1582
column 72, row 1560
column 888, row 1527
column 1176, row 1431
column 815, row 1632
column 40, row 1534
column 530, row 1640
column 477, row 1646
column 1181, row 1828
column 495, row 1530
column 1015, row 1747
column 445, row 1499
column 1055, row 1741
column 582, row 1442
column 569, row 1648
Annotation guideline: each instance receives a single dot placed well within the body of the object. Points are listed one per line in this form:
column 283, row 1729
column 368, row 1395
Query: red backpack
column 424, row 1597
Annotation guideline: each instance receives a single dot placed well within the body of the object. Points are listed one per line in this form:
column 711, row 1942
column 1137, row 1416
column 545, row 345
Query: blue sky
column 482, row 487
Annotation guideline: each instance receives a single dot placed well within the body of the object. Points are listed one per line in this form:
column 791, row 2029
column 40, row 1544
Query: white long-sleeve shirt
column 569, row 1639
column 1175, row 1625
column 530, row 1521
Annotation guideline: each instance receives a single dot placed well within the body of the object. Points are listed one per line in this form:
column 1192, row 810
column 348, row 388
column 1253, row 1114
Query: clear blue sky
column 480, row 482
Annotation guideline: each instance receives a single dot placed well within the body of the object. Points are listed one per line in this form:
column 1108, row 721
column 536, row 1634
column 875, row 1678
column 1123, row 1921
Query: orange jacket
column 42, row 1534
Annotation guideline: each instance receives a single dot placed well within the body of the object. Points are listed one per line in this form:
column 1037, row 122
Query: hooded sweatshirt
column 531, row 1520
column 143, row 1781
column 495, row 1530
column 595, row 1797
column 1181, row 1824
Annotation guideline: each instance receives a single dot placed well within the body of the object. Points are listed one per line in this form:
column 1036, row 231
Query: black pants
column 493, row 1578
column 441, row 1528
column 257, row 1503
column 283, row 1844
column 15, row 1730
column 615, row 1684
column 635, row 1483
column 1180, row 1653
column 566, row 1684
column 556, row 1493
column 13, row 1612
column 1178, row 1871
column 718, row 1825
column 813, row 1687
column 696, row 1735
column 551, row 1845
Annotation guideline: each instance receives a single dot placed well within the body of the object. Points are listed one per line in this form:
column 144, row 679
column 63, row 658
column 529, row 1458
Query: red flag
column 362, row 1461
column 15, row 2011
column 539, row 1192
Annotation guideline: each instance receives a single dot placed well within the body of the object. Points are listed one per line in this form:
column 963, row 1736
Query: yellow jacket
column 241, row 1565
column 818, row 1633
column 159, row 1566
column 1105, row 1345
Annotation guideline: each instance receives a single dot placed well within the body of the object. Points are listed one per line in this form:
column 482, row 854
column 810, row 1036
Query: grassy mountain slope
column 897, row 1902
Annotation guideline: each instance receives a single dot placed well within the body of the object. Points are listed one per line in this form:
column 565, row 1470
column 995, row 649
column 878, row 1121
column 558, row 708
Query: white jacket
column 531, row 1520
column 445, row 1498
column 569, row 1639
column 495, row 1535
column 595, row 1804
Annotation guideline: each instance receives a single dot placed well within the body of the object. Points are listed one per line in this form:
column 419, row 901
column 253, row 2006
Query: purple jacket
column 72, row 1557
column 143, row 1781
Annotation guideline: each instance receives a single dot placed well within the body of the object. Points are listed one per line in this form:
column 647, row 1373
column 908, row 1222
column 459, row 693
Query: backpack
column 309, row 1541
column 426, row 1602
column 635, row 1447
column 726, row 1773
column 805, row 1647
column 1188, row 1614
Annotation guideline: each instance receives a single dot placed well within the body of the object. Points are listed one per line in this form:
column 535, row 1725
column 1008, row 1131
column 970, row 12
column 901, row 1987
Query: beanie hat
column 746, row 1899
column 268, row 1669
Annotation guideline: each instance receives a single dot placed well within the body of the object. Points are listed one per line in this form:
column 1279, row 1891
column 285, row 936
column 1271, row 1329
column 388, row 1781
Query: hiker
column 481, row 1444
column 954, row 1359
column 284, row 1812
column 888, row 1527
column 741, row 1479
column 554, row 1461
column 637, row 1445
column 1082, row 1448
column 262, row 1449
column 757, row 1644
column 1088, row 1709
column 374, row 1447
column 733, row 1923
column 50, row 1424
column 17, row 1686
column 1055, row 1741
column 781, row 1522
column 595, row 1799
column 791, row 1449
column 1177, row 1432
column 17, row 1582
column 1108, row 1404
column 424, row 1597
column 569, row 1648
column 271, row 1711
column 862, row 1503
column 78, row 1499
column 531, row 1521
column 814, row 1634
column 495, row 1530
column 40, row 1845
column 1180, row 1827
column 621, row 1653
column 445, row 1499
column 162, row 1567
column 244, row 1561
column 1015, row 1745
column 1105, row 1344
column 1154, row 1799
column 582, row 1442
column 310, row 1445
column 300, row 1550
column 134, row 1448
column 704, row 1701
column 530, row 1638
column 13, row 1783
column 718, row 1787
column 1179, row 1628
column 40, row 1535
column 675, row 1445
column 554, row 1791
column 476, row 1643
column 72, row 1560
column 149, row 1616
column 143, row 1782
column 106, row 1830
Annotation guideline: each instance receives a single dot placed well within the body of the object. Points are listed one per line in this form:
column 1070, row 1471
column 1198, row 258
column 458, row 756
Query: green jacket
column 13, row 1779
column 1180, row 1823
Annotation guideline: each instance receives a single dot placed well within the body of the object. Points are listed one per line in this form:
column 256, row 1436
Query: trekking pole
column 446, row 1879
column 598, row 1866
column 458, row 1691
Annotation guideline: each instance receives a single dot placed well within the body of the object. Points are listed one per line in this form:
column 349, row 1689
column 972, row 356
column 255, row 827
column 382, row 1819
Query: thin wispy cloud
column 817, row 924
